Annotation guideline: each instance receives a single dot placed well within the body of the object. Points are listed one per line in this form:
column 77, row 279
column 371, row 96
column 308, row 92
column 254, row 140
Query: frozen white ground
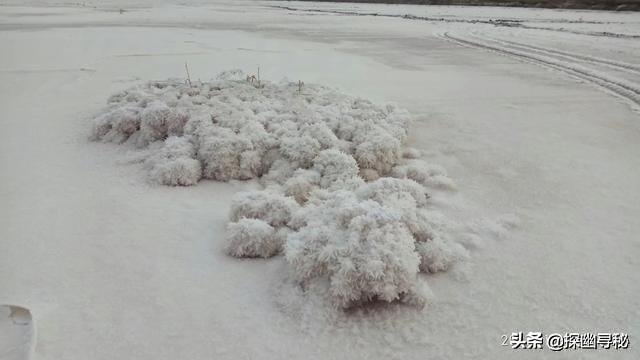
column 537, row 122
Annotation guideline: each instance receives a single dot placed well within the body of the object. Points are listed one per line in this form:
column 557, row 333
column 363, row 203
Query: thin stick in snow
column 186, row 67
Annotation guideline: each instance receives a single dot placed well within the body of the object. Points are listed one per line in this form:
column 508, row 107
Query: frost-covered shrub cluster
column 238, row 130
column 369, row 239
column 174, row 164
column 343, row 200
column 253, row 238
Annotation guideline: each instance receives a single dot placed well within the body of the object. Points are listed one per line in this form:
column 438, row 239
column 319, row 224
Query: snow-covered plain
column 537, row 124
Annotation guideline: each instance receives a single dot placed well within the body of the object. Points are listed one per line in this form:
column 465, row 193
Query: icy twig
column 186, row 67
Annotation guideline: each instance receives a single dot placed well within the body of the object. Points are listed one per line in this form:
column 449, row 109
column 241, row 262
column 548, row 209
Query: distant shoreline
column 616, row 5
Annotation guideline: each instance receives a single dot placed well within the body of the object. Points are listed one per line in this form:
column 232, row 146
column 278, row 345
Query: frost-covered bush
column 242, row 130
column 411, row 153
column 174, row 164
column 363, row 248
column 252, row 238
column 300, row 150
column 334, row 166
column 391, row 191
column 423, row 173
column 380, row 152
column 117, row 124
column 370, row 243
column 154, row 124
column 221, row 152
column 301, row 183
column 439, row 255
column 343, row 199
column 369, row 174
column 274, row 208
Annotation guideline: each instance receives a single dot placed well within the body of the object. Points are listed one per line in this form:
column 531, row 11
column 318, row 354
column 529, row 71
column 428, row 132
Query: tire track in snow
column 624, row 89
column 497, row 22
column 619, row 65
column 519, row 23
column 587, row 33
